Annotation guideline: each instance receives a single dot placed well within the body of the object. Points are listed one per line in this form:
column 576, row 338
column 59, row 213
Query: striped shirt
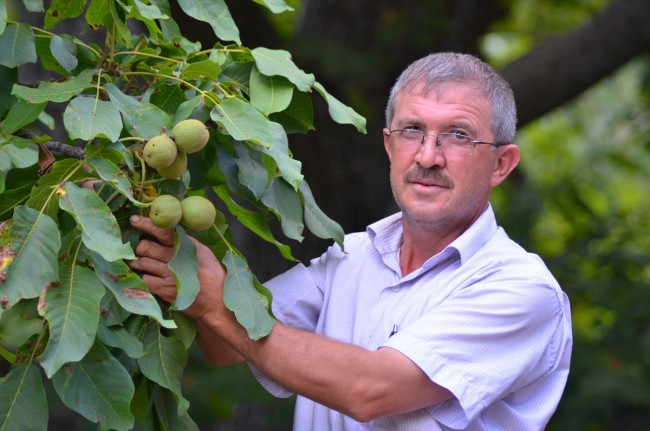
column 483, row 318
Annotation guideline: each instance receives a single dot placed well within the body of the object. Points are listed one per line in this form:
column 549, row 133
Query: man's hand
column 153, row 258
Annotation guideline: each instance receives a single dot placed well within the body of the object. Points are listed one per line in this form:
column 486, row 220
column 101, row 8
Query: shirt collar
column 386, row 235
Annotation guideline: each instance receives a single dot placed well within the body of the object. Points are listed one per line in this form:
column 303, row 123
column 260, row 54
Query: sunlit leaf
column 129, row 290
column 339, row 112
column 35, row 244
column 87, row 118
column 55, row 91
column 99, row 229
column 278, row 62
column 62, row 9
column 275, row 6
column 99, row 388
column 185, row 267
column 17, row 45
column 202, row 69
column 72, row 309
column 143, row 120
column 215, row 13
column 242, row 121
column 23, row 404
column 163, row 363
column 241, row 297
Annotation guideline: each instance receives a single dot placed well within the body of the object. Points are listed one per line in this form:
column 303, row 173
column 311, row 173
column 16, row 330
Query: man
column 432, row 319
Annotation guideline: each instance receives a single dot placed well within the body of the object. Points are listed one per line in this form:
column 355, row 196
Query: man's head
column 434, row 70
column 450, row 126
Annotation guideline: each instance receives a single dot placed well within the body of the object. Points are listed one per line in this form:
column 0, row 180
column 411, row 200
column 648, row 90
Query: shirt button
column 396, row 288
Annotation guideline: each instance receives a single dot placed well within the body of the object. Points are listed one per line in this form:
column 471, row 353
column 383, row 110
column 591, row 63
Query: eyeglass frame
column 438, row 145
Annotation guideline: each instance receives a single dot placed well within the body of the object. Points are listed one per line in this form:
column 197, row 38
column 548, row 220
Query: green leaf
column 253, row 221
column 17, row 45
column 35, row 244
column 316, row 220
column 166, row 407
column 18, row 183
column 299, row 115
column 64, row 51
column 118, row 336
column 207, row 69
column 62, row 9
column 99, row 229
column 21, row 114
column 252, row 171
column 3, row 16
column 288, row 166
column 18, row 156
column 339, row 112
column 129, row 290
column 242, row 121
column 97, row 12
column 163, row 363
column 169, row 27
column 55, row 91
column 34, row 5
column 241, row 297
column 275, row 6
column 185, row 267
column 215, row 13
column 23, row 404
column 278, row 62
column 108, row 171
column 88, row 118
column 269, row 94
column 143, row 120
column 99, row 388
column 72, row 309
column 285, row 203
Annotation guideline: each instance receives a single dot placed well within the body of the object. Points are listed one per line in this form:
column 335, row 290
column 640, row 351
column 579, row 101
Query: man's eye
column 458, row 135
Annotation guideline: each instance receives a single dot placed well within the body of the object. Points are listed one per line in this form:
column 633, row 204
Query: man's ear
column 386, row 144
column 507, row 160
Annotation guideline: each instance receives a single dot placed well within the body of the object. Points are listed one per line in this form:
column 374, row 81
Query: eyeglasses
column 451, row 144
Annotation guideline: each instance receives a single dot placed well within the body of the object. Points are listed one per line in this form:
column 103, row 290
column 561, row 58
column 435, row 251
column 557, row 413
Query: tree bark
column 564, row 66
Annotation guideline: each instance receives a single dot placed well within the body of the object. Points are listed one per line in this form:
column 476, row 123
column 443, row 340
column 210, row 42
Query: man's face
column 428, row 185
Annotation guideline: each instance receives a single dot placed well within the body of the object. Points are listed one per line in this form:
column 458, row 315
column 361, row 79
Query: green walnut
column 160, row 151
column 177, row 167
column 190, row 135
column 198, row 213
column 165, row 211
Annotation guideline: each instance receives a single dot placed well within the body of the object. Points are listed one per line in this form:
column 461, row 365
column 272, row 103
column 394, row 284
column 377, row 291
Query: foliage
column 70, row 306
column 586, row 201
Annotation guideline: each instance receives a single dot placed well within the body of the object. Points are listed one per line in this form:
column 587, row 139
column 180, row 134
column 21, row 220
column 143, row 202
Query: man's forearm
column 360, row 383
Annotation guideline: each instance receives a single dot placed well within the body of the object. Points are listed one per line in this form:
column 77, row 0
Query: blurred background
column 580, row 197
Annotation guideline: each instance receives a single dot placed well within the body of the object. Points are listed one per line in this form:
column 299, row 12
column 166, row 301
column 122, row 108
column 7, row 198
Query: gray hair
column 439, row 68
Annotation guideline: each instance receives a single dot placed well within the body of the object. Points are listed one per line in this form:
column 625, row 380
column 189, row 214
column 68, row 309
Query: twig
column 65, row 149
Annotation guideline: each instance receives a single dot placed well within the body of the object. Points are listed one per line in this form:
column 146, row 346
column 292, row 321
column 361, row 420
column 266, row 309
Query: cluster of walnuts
column 168, row 156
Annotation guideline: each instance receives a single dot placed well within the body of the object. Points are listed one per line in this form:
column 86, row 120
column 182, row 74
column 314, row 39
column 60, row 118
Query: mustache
column 419, row 173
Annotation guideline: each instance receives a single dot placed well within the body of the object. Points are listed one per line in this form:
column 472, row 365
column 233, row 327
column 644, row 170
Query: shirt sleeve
column 484, row 341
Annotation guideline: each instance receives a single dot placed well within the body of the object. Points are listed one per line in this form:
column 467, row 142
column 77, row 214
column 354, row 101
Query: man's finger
column 165, row 236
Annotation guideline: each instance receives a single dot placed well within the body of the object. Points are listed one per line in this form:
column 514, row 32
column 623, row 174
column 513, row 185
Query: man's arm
column 360, row 383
